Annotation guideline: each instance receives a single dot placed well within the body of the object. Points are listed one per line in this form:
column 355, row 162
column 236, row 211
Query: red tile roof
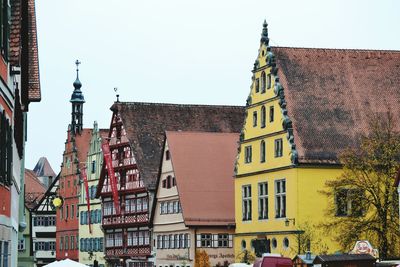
column 146, row 123
column 34, row 189
column 331, row 94
column 203, row 165
column 33, row 61
column 21, row 12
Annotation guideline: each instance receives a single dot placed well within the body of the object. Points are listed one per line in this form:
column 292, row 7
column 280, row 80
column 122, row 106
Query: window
column 93, row 168
column 349, row 202
column 285, row 243
column 72, row 211
column 72, row 242
column 274, row 243
column 186, row 242
column 166, row 241
column 169, row 180
column 243, row 244
column 263, row 82
column 5, row 148
column 176, row 237
column 61, row 243
column 173, row 181
column 254, row 118
column 164, row 183
column 66, row 242
column 263, row 201
column 61, row 213
column 278, row 148
column 5, row 30
column 223, row 240
column 247, row 154
column 167, row 155
column 246, row 203
column 205, row 240
column 271, row 113
column 268, row 81
column 66, row 212
column 172, row 241
column 263, row 114
column 262, row 151
column 257, row 85
column 21, row 244
column 280, row 198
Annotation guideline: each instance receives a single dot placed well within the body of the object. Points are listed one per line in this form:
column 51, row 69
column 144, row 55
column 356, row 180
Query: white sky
column 177, row 51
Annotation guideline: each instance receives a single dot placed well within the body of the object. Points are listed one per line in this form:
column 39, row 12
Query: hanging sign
column 111, row 175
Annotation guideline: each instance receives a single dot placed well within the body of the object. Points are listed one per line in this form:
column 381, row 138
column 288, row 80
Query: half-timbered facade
column 136, row 139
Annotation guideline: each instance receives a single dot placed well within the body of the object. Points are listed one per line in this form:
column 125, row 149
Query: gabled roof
column 203, row 165
column 82, row 142
column 43, row 168
column 34, row 189
column 332, row 93
column 146, row 123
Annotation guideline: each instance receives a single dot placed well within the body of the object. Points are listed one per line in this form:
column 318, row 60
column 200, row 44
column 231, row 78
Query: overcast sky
column 177, row 51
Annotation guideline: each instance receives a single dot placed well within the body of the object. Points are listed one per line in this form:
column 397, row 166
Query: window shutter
column 230, row 244
column 214, row 241
column 198, row 241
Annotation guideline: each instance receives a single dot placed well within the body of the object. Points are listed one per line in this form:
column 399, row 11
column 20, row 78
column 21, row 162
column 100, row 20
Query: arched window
column 263, row 82
column 262, row 151
column 263, row 115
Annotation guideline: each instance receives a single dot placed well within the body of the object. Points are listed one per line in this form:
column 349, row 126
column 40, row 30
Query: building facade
column 74, row 160
column 136, row 141
column 194, row 212
column 19, row 86
column 305, row 107
column 91, row 237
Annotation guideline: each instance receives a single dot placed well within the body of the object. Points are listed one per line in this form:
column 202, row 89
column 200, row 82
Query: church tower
column 77, row 101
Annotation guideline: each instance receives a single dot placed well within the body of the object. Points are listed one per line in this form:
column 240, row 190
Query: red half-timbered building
column 136, row 137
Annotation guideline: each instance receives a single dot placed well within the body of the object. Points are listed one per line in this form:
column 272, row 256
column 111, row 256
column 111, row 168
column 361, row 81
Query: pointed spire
column 264, row 34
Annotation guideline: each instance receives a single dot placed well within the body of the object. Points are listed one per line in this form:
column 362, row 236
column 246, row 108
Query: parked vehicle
column 273, row 260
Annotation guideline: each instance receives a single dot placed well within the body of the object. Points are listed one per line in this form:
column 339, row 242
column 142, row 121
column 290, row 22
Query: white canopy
column 65, row 263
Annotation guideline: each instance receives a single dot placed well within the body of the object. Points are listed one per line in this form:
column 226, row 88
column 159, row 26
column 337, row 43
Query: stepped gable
column 34, row 189
column 146, row 123
column 203, row 167
column 82, row 142
column 43, row 168
column 332, row 93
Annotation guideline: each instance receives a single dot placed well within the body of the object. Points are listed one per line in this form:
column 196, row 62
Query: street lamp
column 287, row 221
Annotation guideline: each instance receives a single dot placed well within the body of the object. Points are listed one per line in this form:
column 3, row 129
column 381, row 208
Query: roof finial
column 77, row 83
column 115, row 90
column 264, row 34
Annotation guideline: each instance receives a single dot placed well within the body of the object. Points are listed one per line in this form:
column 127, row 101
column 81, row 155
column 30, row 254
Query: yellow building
column 91, row 240
column 305, row 107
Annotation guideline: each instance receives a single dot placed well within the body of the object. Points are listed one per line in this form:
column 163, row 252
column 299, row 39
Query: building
column 44, row 171
column 43, row 216
column 74, row 160
column 194, row 211
column 136, row 141
column 305, row 107
column 34, row 191
column 19, row 86
column 91, row 236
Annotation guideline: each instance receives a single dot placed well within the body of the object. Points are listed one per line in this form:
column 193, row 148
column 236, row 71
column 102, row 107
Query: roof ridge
column 203, row 132
column 338, row 49
column 176, row 105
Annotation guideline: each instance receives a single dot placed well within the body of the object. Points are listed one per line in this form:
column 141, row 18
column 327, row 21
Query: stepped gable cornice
column 146, row 123
column 330, row 95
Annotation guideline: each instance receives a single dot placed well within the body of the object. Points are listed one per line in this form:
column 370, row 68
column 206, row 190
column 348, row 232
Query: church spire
column 77, row 101
column 264, row 34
